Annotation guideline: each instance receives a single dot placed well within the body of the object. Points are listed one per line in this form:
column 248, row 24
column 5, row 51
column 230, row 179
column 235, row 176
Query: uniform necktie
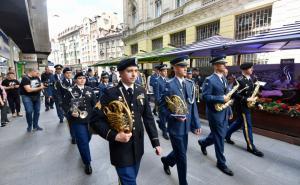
column 130, row 92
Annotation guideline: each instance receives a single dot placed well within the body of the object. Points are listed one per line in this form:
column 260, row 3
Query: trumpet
column 74, row 107
column 222, row 106
column 82, row 114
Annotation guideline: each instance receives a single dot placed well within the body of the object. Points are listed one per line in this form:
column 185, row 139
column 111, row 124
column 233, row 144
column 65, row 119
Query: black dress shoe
column 73, row 141
column 203, row 148
column 47, row 109
column 166, row 167
column 165, row 135
column 88, row 169
column 229, row 141
column 61, row 120
column 225, row 170
column 255, row 152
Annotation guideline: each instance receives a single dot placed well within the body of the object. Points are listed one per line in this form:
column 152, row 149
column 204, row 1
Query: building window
column 179, row 3
column 157, row 43
column 203, row 62
column 134, row 49
column 178, row 39
column 252, row 23
column 208, row 30
column 134, row 15
column 157, row 8
column 249, row 24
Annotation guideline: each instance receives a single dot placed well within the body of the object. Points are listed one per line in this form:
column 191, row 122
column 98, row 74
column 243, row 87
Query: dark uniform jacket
column 245, row 90
column 126, row 154
column 62, row 93
column 85, row 100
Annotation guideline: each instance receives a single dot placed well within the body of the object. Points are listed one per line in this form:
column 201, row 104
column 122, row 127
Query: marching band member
column 214, row 91
column 125, row 130
column 179, row 116
column 62, row 93
column 161, row 84
column 82, row 100
column 244, row 120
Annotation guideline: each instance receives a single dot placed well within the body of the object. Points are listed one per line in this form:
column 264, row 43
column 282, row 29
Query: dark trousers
column 14, row 103
column 178, row 156
column 32, row 109
column 4, row 111
column 59, row 109
column 162, row 121
column 243, row 120
column 82, row 137
column 127, row 175
column 216, row 137
column 49, row 102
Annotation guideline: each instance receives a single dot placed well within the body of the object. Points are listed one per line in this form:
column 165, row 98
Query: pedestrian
column 11, row 86
column 81, row 100
column 126, row 146
column 3, row 105
column 180, row 119
column 30, row 90
column 215, row 88
column 113, row 77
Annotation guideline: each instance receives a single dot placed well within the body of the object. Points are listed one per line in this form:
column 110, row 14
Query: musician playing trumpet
column 245, row 97
column 81, row 101
column 121, row 118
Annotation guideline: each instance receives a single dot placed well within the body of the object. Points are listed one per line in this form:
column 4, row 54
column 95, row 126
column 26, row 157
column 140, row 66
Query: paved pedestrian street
column 47, row 158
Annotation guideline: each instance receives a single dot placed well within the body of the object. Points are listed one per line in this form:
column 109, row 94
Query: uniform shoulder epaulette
column 240, row 78
column 169, row 81
column 188, row 80
column 209, row 77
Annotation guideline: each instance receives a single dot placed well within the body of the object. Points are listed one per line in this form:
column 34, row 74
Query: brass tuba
column 251, row 104
column 119, row 115
column 222, row 106
column 176, row 105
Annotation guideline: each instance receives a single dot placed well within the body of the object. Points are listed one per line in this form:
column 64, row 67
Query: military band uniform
column 213, row 91
column 126, row 157
column 62, row 93
column 132, row 151
column 244, row 119
column 86, row 101
column 57, row 79
column 161, row 85
column 178, row 131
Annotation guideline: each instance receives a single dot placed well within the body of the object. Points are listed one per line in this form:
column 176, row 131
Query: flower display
column 278, row 107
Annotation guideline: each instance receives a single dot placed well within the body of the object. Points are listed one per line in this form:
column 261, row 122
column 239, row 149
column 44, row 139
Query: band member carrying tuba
column 121, row 118
column 81, row 100
column 215, row 88
column 179, row 106
column 243, row 98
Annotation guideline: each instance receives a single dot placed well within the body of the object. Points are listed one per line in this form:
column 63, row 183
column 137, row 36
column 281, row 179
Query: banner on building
column 29, row 57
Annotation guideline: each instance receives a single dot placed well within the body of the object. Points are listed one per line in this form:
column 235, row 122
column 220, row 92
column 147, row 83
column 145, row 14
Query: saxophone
column 119, row 115
column 222, row 106
column 251, row 104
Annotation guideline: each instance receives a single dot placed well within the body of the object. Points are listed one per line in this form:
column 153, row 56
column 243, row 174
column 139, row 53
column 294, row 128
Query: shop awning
column 212, row 46
column 282, row 38
column 154, row 56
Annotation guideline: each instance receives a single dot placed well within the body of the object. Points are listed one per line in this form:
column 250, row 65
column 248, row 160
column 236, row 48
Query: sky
column 66, row 13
